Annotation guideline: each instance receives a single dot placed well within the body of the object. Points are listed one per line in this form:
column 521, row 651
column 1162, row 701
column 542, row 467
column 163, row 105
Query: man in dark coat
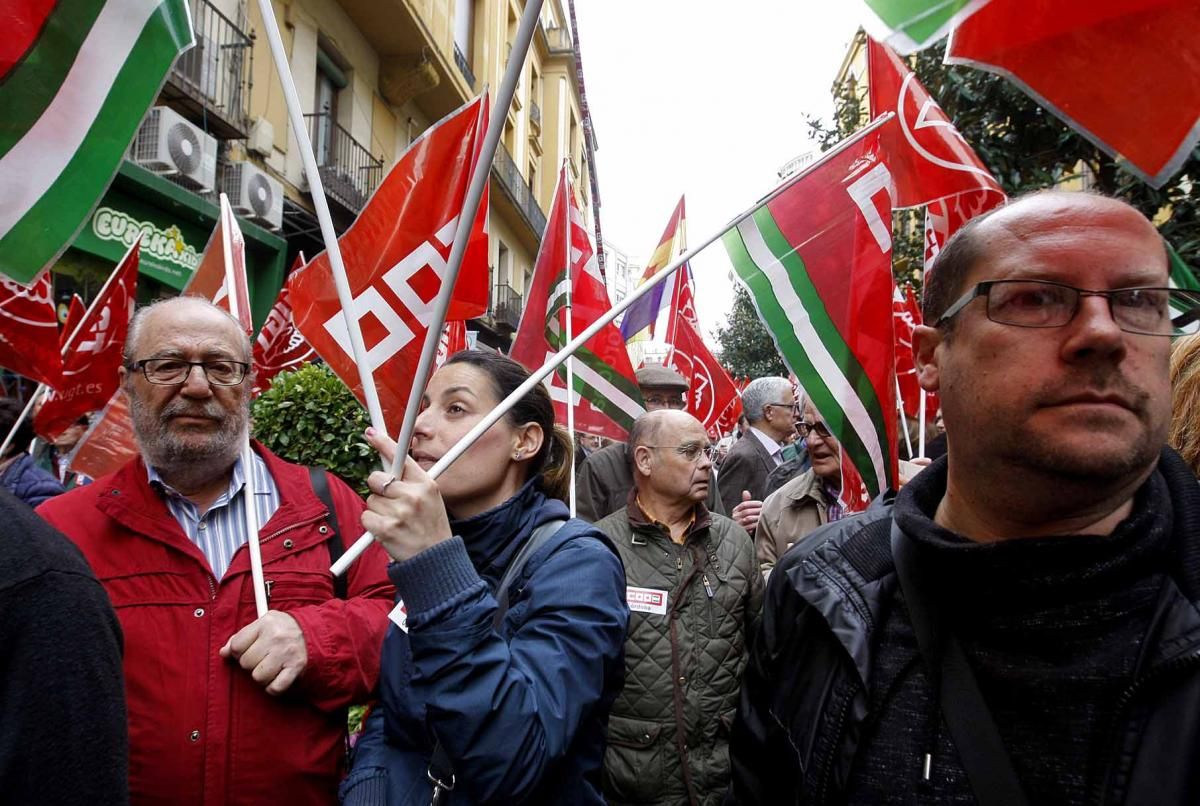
column 767, row 404
column 63, row 738
column 606, row 477
column 1022, row 624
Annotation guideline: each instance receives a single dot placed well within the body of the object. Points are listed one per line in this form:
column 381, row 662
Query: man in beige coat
column 807, row 501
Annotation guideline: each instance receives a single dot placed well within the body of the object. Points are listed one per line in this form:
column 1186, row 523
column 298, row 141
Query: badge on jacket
column 399, row 615
column 646, row 600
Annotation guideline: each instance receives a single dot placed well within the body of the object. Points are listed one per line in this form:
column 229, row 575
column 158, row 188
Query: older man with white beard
column 224, row 707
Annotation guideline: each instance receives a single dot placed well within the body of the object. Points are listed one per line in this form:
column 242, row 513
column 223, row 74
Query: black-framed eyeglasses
column 666, row 401
column 174, row 371
column 1042, row 303
column 788, row 406
column 691, row 451
column 805, row 430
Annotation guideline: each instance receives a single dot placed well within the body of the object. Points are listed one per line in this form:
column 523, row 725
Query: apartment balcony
column 535, row 117
column 464, row 67
column 348, row 171
column 506, row 306
column 517, row 190
column 211, row 81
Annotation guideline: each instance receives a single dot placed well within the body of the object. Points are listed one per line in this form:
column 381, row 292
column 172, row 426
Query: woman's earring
column 518, row 456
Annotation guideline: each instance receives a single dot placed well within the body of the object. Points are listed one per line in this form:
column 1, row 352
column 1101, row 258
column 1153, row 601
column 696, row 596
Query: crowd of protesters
column 1017, row 623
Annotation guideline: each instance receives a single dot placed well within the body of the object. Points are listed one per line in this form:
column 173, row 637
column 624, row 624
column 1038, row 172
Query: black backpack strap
column 441, row 770
column 319, row 478
column 980, row 748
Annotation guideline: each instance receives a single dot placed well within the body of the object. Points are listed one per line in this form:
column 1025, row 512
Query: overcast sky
column 706, row 99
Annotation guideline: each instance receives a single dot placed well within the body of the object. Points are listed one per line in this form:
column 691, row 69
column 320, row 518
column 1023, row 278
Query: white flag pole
column 552, row 363
column 466, row 219
column 921, row 426
column 570, row 359
column 903, row 418
column 250, row 483
column 321, row 205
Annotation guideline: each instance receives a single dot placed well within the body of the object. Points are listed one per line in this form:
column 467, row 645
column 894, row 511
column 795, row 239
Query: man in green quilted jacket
column 694, row 593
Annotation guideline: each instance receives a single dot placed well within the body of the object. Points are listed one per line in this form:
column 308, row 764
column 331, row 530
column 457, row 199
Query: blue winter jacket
column 521, row 712
column 24, row 479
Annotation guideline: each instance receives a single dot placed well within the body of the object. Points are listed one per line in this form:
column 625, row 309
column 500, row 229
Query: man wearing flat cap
column 606, row 478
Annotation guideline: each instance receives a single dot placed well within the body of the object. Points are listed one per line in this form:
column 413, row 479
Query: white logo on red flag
column 29, row 344
column 279, row 346
column 395, row 255
column 93, row 353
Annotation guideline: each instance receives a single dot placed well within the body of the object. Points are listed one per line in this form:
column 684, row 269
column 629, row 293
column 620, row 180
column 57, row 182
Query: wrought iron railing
column 464, row 67
column 535, row 115
column 506, row 305
column 514, row 184
column 214, row 76
column 348, row 171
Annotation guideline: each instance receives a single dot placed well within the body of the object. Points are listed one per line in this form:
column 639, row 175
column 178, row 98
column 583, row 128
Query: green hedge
column 309, row 417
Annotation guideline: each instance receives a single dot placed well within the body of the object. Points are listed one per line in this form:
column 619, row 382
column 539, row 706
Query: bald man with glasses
column 1022, row 624
column 694, row 591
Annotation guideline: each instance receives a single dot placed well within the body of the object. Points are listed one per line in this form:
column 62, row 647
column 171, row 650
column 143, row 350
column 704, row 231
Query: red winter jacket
column 201, row 731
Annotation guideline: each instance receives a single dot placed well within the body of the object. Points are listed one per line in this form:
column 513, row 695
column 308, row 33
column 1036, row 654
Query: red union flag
column 223, row 266
column 906, row 312
column 28, row 330
column 1124, row 74
column 108, row 445
column 92, row 354
column 75, row 313
column 606, row 396
column 710, row 389
column 395, row 256
column 454, row 340
column 280, row 347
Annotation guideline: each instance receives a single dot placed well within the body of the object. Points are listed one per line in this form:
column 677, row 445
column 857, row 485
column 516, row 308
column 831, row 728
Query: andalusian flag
column 816, row 259
column 640, row 318
column 1182, row 277
column 909, row 25
column 76, row 78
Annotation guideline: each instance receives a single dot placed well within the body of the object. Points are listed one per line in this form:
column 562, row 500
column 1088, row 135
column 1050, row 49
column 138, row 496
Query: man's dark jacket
column 807, row 690
column 63, row 735
column 606, row 477
column 745, row 468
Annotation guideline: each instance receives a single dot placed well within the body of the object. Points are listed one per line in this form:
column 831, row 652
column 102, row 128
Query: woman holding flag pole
column 506, row 650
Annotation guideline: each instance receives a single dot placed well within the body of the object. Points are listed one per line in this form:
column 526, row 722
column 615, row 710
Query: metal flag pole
column 552, row 363
column 568, row 314
column 903, row 418
column 321, row 206
column 479, row 180
column 921, row 426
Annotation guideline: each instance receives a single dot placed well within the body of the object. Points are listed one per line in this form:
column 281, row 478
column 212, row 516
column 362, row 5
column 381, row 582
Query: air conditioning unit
column 201, row 66
column 169, row 145
column 253, row 194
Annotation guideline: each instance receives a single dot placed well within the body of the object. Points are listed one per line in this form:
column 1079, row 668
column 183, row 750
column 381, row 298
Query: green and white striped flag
column 909, row 25
column 1183, row 278
column 816, row 259
column 76, row 78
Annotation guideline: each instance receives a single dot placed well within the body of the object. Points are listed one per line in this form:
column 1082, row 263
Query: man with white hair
column 224, row 707
column 767, row 404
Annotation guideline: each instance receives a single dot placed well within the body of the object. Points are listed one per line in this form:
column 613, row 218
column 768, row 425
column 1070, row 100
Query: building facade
column 372, row 76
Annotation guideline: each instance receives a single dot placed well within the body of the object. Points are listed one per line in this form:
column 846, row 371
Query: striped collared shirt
column 221, row 531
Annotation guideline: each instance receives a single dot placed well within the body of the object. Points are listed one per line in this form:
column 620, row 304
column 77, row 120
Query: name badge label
column 399, row 616
column 646, row 600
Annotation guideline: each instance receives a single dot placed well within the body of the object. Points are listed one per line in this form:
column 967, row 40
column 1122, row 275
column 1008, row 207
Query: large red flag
column 223, row 265
column 395, row 255
column 28, row 330
column 280, row 347
column 607, row 399
column 710, row 389
column 92, row 354
column 906, row 311
column 930, row 161
column 1124, row 74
